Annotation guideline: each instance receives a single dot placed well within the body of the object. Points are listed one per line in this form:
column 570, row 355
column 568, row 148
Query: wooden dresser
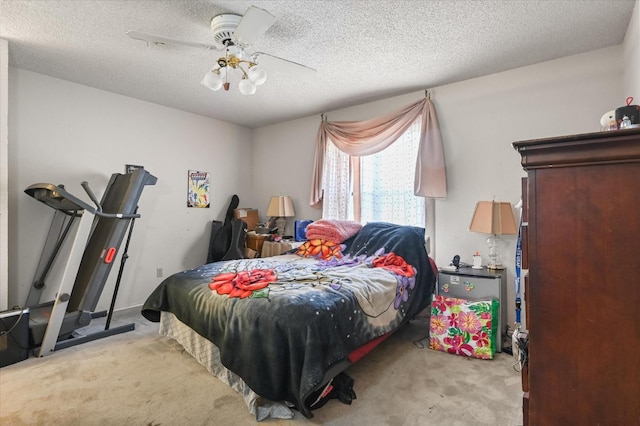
column 581, row 245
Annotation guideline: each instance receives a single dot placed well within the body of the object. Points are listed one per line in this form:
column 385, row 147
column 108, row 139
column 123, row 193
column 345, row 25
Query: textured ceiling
column 362, row 50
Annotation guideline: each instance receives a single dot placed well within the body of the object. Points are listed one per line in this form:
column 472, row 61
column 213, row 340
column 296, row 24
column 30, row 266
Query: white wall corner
column 631, row 86
column 4, row 175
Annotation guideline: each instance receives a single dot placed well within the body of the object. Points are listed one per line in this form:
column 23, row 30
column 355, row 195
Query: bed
column 279, row 329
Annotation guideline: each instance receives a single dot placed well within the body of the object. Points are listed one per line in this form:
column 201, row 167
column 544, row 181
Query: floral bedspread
column 281, row 323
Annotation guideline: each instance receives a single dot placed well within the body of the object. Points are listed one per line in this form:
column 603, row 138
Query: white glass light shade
column 257, row 74
column 212, row 80
column 247, row 87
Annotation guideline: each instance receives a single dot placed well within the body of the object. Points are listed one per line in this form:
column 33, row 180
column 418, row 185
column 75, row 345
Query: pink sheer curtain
column 360, row 138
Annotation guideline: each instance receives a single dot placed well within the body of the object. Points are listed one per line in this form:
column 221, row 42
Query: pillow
column 463, row 327
column 321, row 249
column 332, row 230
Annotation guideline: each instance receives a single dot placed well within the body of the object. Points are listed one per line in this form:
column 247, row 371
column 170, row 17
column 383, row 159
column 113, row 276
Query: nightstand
column 273, row 248
column 477, row 284
column 255, row 241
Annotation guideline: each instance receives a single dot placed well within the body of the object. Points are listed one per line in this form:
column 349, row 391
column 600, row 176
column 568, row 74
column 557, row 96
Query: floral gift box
column 464, row 327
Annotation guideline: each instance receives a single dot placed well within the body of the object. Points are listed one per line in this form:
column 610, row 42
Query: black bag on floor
column 340, row 387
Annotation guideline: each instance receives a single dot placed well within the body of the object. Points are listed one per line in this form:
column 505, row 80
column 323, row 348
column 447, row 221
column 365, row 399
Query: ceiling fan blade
column 156, row 39
column 253, row 25
column 271, row 62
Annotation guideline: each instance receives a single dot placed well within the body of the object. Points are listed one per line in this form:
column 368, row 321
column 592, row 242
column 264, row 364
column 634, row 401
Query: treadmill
column 98, row 231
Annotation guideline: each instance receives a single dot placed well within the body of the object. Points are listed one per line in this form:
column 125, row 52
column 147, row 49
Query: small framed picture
column 198, row 189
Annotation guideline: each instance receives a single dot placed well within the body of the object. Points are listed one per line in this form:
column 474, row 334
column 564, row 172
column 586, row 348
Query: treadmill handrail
column 116, row 215
column 85, row 186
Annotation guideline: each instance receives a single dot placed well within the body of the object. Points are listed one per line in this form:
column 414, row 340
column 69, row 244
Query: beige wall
column 4, row 176
column 632, row 58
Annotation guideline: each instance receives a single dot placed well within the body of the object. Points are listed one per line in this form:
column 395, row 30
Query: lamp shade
column 280, row 206
column 493, row 217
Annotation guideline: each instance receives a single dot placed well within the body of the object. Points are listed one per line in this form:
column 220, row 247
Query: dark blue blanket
column 283, row 322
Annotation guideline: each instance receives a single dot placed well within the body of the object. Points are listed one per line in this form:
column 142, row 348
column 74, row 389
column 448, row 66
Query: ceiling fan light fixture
column 233, row 34
column 212, row 80
column 257, row 75
column 223, row 27
column 246, row 86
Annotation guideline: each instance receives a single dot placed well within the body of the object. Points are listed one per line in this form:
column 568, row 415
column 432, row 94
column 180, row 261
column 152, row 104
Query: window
column 386, row 183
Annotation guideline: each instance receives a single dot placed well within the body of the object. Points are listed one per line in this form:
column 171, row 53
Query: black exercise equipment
column 53, row 324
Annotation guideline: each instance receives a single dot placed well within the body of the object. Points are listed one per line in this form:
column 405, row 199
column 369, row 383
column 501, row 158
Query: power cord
column 2, row 333
column 5, row 334
column 520, row 345
column 418, row 343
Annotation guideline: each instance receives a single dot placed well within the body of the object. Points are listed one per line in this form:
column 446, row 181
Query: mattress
column 208, row 355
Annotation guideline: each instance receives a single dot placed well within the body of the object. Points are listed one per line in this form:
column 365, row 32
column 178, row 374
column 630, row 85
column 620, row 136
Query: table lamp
column 494, row 218
column 280, row 207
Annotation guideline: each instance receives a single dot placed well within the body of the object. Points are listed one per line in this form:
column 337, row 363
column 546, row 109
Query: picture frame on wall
column 198, row 189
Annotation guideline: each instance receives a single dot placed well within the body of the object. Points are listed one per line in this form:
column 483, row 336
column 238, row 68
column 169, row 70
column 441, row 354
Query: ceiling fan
column 232, row 35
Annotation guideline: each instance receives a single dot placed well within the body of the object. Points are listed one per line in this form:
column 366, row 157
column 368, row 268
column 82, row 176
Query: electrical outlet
column 159, row 273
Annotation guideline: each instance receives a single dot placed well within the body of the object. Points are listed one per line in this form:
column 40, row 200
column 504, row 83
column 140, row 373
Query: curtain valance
column 360, row 138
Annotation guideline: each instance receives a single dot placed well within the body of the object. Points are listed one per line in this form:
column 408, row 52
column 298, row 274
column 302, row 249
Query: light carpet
column 142, row 378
